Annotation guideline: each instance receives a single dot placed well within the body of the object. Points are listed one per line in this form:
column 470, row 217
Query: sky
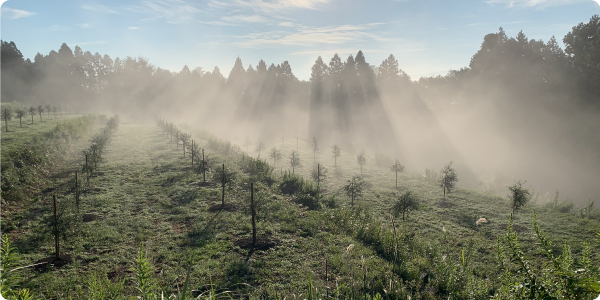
column 428, row 37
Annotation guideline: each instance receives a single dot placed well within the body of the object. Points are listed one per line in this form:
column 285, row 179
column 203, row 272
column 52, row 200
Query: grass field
column 145, row 192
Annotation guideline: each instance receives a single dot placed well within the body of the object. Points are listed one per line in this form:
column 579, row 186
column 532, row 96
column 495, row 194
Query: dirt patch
column 218, row 207
column 90, row 217
column 445, row 204
column 262, row 243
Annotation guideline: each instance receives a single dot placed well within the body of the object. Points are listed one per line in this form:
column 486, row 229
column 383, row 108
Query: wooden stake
column 253, row 214
column 56, row 243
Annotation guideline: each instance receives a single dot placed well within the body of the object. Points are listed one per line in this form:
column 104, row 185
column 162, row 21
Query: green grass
column 145, row 192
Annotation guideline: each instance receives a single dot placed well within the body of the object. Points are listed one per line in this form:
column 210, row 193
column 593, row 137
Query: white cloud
column 13, row 14
column 83, row 26
column 269, row 6
column 537, row 3
column 310, row 36
column 244, row 19
column 99, row 8
column 172, row 11
column 218, row 23
column 133, row 28
column 290, row 24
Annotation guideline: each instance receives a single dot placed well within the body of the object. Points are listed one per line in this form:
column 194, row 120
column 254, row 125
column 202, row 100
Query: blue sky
column 428, row 37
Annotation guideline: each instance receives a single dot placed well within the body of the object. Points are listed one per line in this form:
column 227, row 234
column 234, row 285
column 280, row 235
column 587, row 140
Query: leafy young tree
column 397, row 167
column 294, row 160
column 336, row 153
column 405, row 203
column 275, row 155
column 355, row 187
column 204, row 165
column 185, row 139
column 194, row 152
column 448, row 179
column 63, row 224
column 361, row 160
column 6, row 115
column 21, row 112
column 224, row 176
column 177, row 134
column 40, row 110
column 519, row 196
column 32, row 112
column 48, row 107
column 319, row 174
column 260, row 145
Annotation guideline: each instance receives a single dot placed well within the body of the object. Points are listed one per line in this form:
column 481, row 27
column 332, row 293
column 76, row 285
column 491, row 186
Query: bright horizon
column 427, row 37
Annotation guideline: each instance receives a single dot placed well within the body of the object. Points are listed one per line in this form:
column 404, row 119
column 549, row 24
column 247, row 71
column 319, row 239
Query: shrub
column 519, row 196
column 448, row 179
column 258, row 170
column 404, row 204
column 293, row 184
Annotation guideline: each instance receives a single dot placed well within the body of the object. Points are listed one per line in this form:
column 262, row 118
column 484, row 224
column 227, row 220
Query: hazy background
column 521, row 108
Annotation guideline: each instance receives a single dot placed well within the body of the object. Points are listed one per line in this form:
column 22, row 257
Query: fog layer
column 522, row 110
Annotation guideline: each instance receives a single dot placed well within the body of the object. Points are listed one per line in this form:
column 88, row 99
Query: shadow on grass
column 200, row 237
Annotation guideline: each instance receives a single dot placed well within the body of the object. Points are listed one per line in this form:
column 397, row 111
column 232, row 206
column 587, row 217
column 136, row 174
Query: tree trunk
column 318, row 177
column 223, row 183
column 31, row 119
column 203, row 168
column 77, row 190
column 6, row 124
column 56, row 235
column 192, row 156
column 20, row 125
column 253, row 214
column 396, row 177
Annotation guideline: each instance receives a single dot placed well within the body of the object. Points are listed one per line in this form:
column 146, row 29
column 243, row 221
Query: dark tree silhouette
column 32, row 112
column 21, row 112
column 6, row 115
column 361, row 160
column 518, row 196
column 40, row 110
column 397, row 167
column 336, row 153
column 448, row 179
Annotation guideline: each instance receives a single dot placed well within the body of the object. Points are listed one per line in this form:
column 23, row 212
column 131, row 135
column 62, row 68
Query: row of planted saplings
column 199, row 161
column 64, row 219
column 21, row 111
column 223, row 175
